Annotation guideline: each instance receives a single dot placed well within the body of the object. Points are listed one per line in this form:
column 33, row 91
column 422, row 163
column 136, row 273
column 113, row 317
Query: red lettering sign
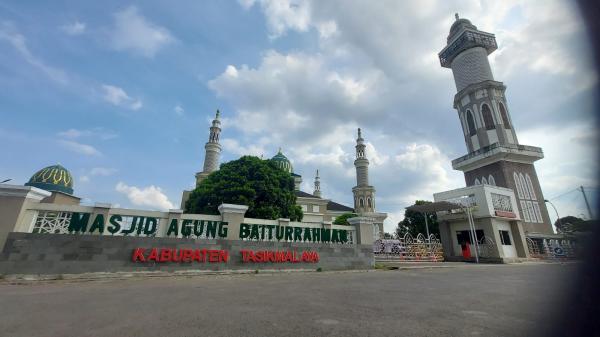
column 506, row 214
column 179, row 255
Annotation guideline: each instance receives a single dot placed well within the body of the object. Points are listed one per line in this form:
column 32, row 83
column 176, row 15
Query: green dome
column 53, row 178
column 282, row 162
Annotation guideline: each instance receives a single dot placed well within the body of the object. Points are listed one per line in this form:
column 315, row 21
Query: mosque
column 315, row 208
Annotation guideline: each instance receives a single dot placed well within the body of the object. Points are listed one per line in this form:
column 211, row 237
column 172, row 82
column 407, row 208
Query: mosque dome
column 53, row 178
column 282, row 162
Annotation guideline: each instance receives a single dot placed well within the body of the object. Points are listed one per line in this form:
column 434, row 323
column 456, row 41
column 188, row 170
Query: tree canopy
column 571, row 223
column 267, row 190
column 414, row 222
column 343, row 219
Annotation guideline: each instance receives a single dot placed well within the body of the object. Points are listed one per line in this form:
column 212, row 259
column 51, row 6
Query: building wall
column 502, row 172
column 28, row 253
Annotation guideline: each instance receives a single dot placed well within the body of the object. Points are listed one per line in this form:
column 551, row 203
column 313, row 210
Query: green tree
column 267, row 190
column 414, row 222
column 343, row 219
column 568, row 223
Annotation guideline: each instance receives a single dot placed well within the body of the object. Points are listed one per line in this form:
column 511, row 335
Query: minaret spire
column 212, row 150
column 364, row 194
column 317, row 191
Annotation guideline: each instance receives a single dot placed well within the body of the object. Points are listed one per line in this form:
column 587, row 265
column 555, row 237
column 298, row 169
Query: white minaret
column 213, row 150
column 364, row 194
column 317, row 191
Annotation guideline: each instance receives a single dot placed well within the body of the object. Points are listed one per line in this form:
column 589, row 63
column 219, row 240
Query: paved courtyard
column 463, row 300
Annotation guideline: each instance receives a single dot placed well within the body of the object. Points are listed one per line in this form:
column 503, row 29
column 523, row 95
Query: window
column 491, row 180
column 530, row 187
column 361, row 202
column 505, row 238
column 538, row 213
column 316, row 208
column 525, row 211
column 487, row 117
column 518, row 185
column 504, row 116
column 524, row 186
column 369, row 202
column 484, row 181
column 476, row 182
column 304, row 208
column 471, row 123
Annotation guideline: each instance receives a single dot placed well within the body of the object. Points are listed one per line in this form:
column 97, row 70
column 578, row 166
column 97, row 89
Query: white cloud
column 80, row 148
column 178, row 110
column 117, row 96
column 75, row 28
column 150, row 196
column 283, row 15
column 133, row 32
column 9, row 34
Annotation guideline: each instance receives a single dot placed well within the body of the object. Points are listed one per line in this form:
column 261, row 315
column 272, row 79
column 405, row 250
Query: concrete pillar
column 14, row 200
column 364, row 229
column 234, row 216
column 519, row 239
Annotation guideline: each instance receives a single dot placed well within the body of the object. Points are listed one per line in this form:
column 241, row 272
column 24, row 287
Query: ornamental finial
column 218, row 113
column 279, row 150
column 317, row 174
column 359, row 135
column 456, row 16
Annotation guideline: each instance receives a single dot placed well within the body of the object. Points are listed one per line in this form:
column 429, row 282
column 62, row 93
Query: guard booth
column 480, row 223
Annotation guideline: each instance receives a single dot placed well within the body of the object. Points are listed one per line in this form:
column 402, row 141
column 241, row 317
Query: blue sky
column 122, row 94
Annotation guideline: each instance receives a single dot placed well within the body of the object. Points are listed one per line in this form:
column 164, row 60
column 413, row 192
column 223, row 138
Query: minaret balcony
column 496, row 152
column 468, row 38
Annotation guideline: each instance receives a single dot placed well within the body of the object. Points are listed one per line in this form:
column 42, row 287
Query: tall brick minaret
column 494, row 156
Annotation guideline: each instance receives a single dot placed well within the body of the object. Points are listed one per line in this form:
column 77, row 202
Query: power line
column 560, row 195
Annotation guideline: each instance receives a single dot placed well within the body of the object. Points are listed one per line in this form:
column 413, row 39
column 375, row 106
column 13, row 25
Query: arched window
column 504, row 116
column 361, row 202
column 484, row 181
column 518, row 185
column 487, row 117
column 471, row 123
column 476, row 182
column 524, row 186
column 369, row 202
column 491, row 180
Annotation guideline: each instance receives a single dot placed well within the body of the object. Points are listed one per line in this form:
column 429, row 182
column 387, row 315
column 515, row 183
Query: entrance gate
column 409, row 249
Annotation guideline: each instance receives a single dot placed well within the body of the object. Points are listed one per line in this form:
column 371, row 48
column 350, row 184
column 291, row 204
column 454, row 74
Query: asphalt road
column 467, row 300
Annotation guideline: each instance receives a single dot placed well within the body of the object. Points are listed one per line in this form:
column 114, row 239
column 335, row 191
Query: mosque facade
column 315, row 208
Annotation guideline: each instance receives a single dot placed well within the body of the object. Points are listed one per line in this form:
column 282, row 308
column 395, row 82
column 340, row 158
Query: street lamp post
column 555, row 210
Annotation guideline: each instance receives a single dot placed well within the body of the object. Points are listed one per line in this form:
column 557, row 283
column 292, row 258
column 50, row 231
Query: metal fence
column 407, row 249
column 552, row 248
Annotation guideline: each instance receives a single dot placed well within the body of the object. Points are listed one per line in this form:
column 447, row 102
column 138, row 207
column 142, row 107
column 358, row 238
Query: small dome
column 53, row 178
column 458, row 25
column 282, row 162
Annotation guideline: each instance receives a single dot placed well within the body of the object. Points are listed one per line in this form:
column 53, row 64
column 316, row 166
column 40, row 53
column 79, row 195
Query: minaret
column 317, row 191
column 213, row 150
column 364, row 194
column 495, row 156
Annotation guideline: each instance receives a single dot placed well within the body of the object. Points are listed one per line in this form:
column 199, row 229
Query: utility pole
column 587, row 204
